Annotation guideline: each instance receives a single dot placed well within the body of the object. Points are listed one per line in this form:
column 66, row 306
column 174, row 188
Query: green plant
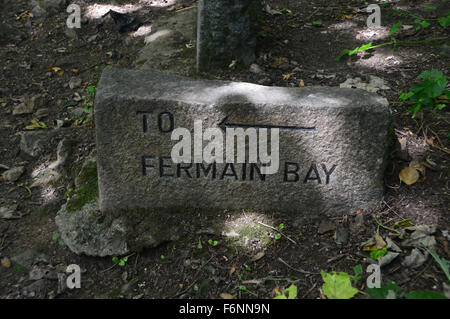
column 378, row 253
column 288, row 293
column 245, row 290
column 68, row 192
column 285, row 10
column 121, row 262
column 88, row 106
column 213, row 242
column 430, row 93
column 337, row 285
column 56, row 237
column 444, row 263
column 279, row 228
column 26, row 187
column 420, row 22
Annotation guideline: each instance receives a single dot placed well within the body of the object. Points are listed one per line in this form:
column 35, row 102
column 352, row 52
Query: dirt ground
column 292, row 51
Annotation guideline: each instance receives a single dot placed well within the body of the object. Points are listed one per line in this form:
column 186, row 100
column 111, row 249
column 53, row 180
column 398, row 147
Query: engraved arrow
column 224, row 124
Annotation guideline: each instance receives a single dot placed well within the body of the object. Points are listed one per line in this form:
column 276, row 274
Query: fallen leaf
column 258, row 256
column 6, row 262
column 380, row 243
column 226, row 296
column 409, row 175
column 301, row 83
column 287, row 76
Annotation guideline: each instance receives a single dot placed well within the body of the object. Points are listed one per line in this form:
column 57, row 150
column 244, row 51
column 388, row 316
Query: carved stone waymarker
column 332, row 145
column 164, row 163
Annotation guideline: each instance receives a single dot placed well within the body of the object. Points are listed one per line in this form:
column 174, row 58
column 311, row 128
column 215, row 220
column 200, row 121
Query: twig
column 384, row 226
column 197, row 277
column 273, row 228
column 297, row 269
column 311, row 289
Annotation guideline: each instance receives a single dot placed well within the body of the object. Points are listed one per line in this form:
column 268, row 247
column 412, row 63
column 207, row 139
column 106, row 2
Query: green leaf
column 317, row 22
column 337, row 286
column 342, row 53
column 199, row 245
column 445, row 264
column 427, row 294
column 395, row 27
column 285, row 10
column 378, row 253
column 291, row 292
column 358, row 270
column 56, row 236
column 277, row 236
column 383, row 291
column 91, row 89
column 444, row 21
column 365, row 47
column 115, row 260
column 406, row 96
column 288, row 293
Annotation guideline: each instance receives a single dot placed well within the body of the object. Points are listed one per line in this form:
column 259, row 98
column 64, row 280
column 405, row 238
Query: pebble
column 13, row 174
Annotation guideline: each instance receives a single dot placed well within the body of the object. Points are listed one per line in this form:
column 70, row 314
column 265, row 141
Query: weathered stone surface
column 86, row 231
column 136, row 173
column 226, row 31
column 34, row 143
column 13, row 174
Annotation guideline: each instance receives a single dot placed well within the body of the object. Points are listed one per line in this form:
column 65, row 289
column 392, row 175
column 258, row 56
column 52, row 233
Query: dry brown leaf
column 6, row 262
column 409, row 175
column 226, row 296
column 232, row 270
column 380, row 243
column 287, row 76
column 258, row 256
column 301, row 83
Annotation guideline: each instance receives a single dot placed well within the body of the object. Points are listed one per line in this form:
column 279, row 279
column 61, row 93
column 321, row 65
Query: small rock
column 33, row 143
column 387, row 259
column 55, row 6
column 24, row 108
column 416, row 259
column 76, row 113
column 13, row 174
column 358, row 224
column 76, row 97
column 71, row 33
column 341, row 235
column 41, row 113
column 38, row 12
column 9, row 212
column 92, row 38
column 28, row 257
column 255, row 68
column 74, row 82
column 36, row 290
column 325, row 227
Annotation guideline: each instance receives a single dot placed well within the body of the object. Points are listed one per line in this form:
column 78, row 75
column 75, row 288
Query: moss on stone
column 87, row 189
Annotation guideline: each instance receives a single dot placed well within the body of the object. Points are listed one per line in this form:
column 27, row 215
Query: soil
column 292, row 51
